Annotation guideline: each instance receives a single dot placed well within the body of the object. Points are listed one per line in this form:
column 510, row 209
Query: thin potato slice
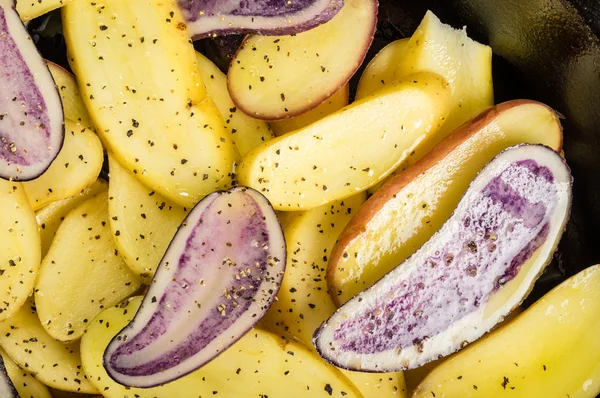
column 30, row 9
column 138, row 74
column 53, row 363
column 246, row 132
column 27, row 386
column 83, row 251
column 350, row 150
column 19, row 248
column 143, row 221
column 70, row 96
column 258, row 365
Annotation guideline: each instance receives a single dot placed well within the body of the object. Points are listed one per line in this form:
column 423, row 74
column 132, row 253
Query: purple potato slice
column 217, row 279
column 267, row 17
column 472, row 273
column 7, row 388
column 31, row 114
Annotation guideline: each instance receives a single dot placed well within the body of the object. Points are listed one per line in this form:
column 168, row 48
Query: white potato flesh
column 381, row 70
column 27, row 386
column 70, row 96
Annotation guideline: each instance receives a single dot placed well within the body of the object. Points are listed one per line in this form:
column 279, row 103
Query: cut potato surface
column 550, row 350
column 260, row 364
column 30, row 9
column 276, row 77
column 83, row 251
column 350, row 150
column 27, row 386
column 143, row 222
column 381, row 70
column 55, row 364
column 139, row 77
column 331, row 105
column 75, row 168
column 403, row 215
column 246, row 132
column 19, row 248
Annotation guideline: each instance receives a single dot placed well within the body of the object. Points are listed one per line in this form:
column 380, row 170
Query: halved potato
column 246, row 132
column 19, row 248
column 75, row 168
column 381, row 70
column 139, row 78
column 30, row 9
column 350, row 150
column 331, row 105
column 411, row 207
column 276, row 77
column 259, row 365
column 27, row 386
column 53, row 363
column 550, row 350
column 82, row 273
column 143, row 222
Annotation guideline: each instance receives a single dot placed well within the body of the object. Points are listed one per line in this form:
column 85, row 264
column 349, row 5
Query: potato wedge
column 30, row 9
column 83, row 251
column 331, row 105
column 75, row 168
column 70, row 96
column 53, row 363
column 50, row 216
column 381, row 70
column 246, row 132
column 403, row 215
column 276, row 77
column 260, row 364
column 350, row 150
column 19, row 248
column 138, row 73
column 550, row 350
column 27, row 386
column 143, row 222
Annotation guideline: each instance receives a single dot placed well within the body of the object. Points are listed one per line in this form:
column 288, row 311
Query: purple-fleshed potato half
column 217, row 279
column 267, row 17
column 473, row 272
column 31, row 114
column 7, row 388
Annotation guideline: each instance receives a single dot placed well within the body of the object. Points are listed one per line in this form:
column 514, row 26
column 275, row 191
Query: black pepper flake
column 504, row 382
column 135, row 123
column 103, row 27
column 282, row 95
column 184, row 161
column 129, row 133
column 328, row 389
column 293, row 290
column 205, row 177
column 154, row 299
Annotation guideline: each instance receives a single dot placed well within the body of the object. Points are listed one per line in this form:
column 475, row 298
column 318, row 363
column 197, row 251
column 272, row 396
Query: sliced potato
column 143, row 222
column 381, row 70
column 83, row 251
column 258, row 365
column 331, row 105
column 73, row 105
column 53, row 363
column 75, row 168
column 19, row 248
column 139, row 78
column 350, row 150
column 246, row 132
column 30, row 9
column 50, row 216
column 550, row 350
column 27, row 386
column 276, row 77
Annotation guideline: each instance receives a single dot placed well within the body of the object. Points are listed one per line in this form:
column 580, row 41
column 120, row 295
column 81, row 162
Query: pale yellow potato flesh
column 27, row 386
column 408, row 210
column 82, row 273
column 381, row 70
column 50, row 216
column 55, row 364
column 246, row 132
column 139, row 78
column 350, row 150
column 142, row 221
column 303, row 302
column 259, row 364
column 30, row 9
column 75, row 168
column 70, row 96
column 20, row 248
column 276, row 77
column 550, row 350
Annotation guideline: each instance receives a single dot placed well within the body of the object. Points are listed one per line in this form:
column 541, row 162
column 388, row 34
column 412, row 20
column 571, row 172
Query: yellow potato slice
column 30, row 9
column 50, row 216
column 73, row 105
column 53, row 363
column 247, row 133
column 350, row 150
column 331, row 105
column 258, row 365
column 75, row 168
column 550, row 350
column 143, row 222
column 27, row 386
column 381, row 70
column 303, row 302
column 19, row 248
column 82, row 273
column 139, row 78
